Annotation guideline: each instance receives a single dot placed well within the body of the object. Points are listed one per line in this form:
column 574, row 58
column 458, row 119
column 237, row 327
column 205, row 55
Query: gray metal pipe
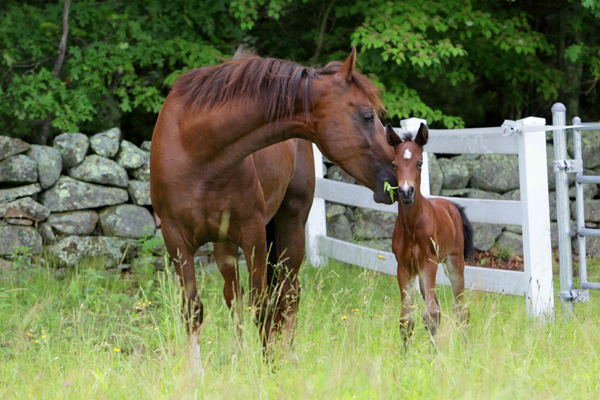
column 559, row 117
column 586, row 178
column 588, row 232
column 580, row 205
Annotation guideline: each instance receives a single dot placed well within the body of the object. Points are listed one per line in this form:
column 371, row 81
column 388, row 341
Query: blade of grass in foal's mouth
column 387, row 188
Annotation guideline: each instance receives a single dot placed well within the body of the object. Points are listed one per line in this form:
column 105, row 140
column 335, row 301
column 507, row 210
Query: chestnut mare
column 206, row 188
column 427, row 232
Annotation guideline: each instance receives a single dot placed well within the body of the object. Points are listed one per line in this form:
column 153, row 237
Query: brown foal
column 427, row 232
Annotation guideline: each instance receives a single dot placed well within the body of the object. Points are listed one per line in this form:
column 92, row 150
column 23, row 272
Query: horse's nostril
column 411, row 190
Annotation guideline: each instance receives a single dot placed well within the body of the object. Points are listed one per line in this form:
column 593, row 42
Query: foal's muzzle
column 406, row 195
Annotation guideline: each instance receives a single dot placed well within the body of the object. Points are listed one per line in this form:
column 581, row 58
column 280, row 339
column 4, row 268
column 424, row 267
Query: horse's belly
column 274, row 168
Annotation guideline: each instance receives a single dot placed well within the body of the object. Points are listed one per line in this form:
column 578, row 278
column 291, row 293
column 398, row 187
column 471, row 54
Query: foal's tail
column 469, row 250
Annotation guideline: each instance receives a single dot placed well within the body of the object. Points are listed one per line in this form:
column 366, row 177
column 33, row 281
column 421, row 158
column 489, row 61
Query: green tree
column 456, row 62
column 121, row 56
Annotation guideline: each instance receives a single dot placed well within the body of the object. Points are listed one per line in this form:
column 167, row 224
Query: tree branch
column 62, row 50
column 322, row 28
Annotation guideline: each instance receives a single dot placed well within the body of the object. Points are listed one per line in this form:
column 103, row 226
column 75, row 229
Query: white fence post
column 413, row 124
column 317, row 219
column 537, row 249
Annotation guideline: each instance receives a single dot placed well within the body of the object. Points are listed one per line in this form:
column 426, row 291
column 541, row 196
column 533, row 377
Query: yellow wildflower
column 116, row 350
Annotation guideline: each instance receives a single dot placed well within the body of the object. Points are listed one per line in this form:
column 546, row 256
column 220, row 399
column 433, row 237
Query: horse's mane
column 272, row 81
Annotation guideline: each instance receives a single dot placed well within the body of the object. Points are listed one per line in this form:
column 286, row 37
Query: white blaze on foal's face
column 407, row 154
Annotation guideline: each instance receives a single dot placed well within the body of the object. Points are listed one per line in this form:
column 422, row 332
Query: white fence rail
column 532, row 212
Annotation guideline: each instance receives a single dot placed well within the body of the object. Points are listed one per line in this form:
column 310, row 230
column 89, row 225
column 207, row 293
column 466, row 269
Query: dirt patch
column 487, row 259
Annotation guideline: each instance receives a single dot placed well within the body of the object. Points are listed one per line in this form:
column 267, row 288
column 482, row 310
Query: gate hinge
column 570, row 166
column 574, row 296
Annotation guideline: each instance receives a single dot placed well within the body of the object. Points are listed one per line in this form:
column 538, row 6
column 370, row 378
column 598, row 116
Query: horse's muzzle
column 406, row 195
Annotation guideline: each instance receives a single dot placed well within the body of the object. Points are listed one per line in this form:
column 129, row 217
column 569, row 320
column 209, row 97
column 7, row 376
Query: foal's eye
column 420, row 164
column 394, row 165
column 368, row 117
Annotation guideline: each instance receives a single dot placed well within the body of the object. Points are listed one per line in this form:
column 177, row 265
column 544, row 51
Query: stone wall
column 477, row 176
column 90, row 196
column 82, row 196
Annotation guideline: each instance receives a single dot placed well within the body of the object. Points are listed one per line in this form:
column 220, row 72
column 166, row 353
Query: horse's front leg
column 407, row 322
column 176, row 239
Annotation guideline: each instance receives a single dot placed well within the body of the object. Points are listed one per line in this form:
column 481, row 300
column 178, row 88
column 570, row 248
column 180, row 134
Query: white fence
column 532, row 211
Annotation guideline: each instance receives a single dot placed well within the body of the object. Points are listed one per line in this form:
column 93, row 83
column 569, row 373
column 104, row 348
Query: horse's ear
column 392, row 138
column 422, row 135
column 348, row 68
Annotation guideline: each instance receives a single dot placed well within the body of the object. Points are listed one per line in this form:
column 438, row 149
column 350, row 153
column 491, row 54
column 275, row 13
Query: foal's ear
column 422, row 135
column 392, row 138
column 348, row 68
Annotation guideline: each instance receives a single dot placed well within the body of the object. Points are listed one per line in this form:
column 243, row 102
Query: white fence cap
column 412, row 124
column 532, row 121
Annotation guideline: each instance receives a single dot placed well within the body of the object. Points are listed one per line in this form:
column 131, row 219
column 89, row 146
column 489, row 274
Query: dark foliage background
column 455, row 62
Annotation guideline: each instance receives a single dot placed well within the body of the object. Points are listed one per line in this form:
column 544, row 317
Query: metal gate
column 562, row 167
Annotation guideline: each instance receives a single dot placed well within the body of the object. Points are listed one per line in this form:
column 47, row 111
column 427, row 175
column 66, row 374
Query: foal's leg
column 431, row 314
column 178, row 242
column 456, row 272
column 407, row 322
column 226, row 256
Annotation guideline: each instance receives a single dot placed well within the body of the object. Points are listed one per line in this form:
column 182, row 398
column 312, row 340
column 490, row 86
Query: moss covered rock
column 11, row 146
column 12, row 237
column 496, row 172
column 127, row 220
column 72, row 147
column 8, row 195
column 456, row 173
column 18, row 169
column 49, row 164
column 130, row 156
column 485, row 235
column 71, row 250
column 106, row 144
column 69, row 194
column 97, row 169
column 74, row 222
column 436, row 176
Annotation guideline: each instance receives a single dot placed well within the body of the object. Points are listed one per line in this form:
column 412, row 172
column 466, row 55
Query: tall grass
column 91, row 333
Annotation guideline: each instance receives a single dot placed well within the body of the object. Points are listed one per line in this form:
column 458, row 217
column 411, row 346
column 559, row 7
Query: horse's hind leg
column 254, row 245
column 226, row 256
column 456, row 272
column 178, row 242
column 290, row 230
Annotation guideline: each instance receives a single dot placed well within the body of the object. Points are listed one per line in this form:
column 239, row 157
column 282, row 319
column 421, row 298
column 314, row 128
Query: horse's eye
column 420, row 164
column 394, row 165
column 368, row 117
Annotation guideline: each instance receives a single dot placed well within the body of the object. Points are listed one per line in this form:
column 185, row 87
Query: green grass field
column 90, row 333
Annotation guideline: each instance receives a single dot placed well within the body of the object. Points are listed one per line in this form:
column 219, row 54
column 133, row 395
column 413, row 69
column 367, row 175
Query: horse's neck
column 266, row 135
column 232, row 146
column 409, row 215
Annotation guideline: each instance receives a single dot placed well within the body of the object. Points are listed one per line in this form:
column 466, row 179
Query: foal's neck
column 409, row 214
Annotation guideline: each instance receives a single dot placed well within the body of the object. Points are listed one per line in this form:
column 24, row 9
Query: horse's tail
column 274, row 249
column 469, row 250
